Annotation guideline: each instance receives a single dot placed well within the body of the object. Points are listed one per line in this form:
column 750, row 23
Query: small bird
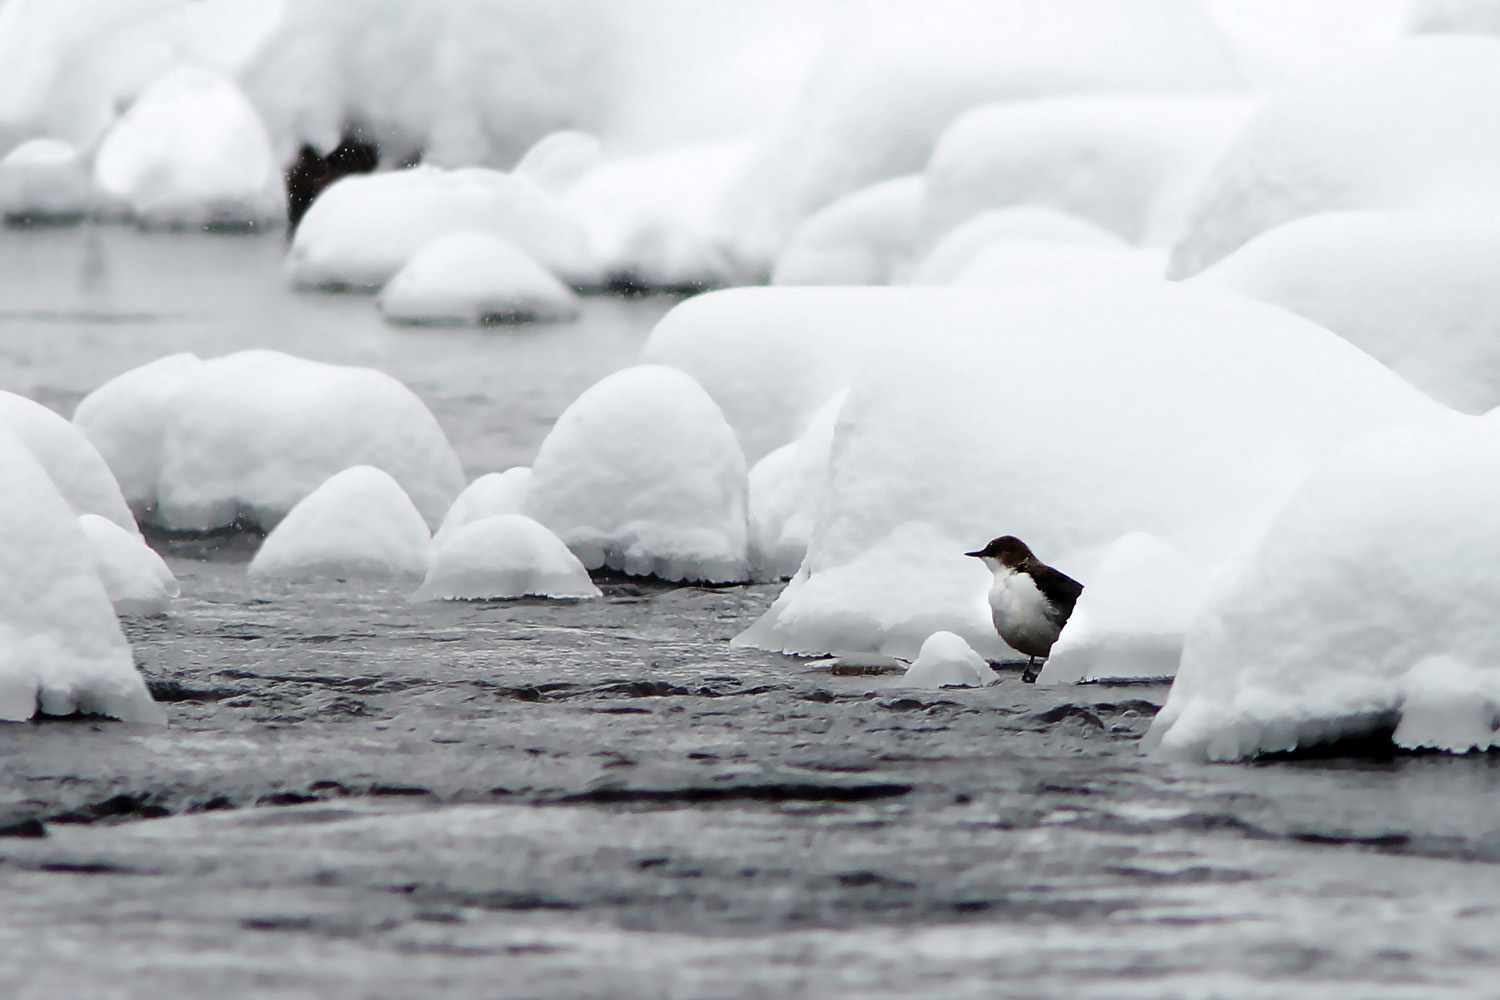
column 1029, row 601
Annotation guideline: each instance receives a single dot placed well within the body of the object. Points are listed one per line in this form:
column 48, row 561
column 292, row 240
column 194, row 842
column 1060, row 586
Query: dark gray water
column 362, row 797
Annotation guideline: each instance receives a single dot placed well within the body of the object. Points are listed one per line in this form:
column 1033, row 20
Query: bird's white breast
column 1020, row 612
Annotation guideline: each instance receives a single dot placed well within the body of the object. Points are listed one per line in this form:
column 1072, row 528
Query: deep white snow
column 860, row 239
column 359, row 524
column 503, row 556
column 198, row 445
column 1019, row 262
column 1068, row 415
column 492, row 494
column 475, row 278
column 785, row 489
column 136, row 579
column 642, row 474
column 73, row 463
column 1019, row 223
column 947, row 661
column 1416, row 291
column 364, row 228
column 1369, row 604
column 191, row 151
column 61, row 648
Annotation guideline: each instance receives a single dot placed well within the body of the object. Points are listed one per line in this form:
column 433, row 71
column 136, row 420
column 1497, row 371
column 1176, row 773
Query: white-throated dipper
column 1029, row 601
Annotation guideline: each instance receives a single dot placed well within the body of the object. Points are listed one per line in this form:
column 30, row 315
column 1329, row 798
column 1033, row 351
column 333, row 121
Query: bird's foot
column 1029, row 675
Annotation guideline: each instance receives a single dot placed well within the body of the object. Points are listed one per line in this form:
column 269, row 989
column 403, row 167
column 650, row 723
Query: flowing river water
column 363, row 797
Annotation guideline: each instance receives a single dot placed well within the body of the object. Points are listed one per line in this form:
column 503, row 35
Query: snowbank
column 1409, row 128
column 61, row 648
column 1017, row 262
column 1416, row 291
column 1130, row 621
column 44, row 180
column 1023, row 223
column 359, row 524
column 1369, row 604
column 1128, row 164
column 191, row 151
column 895, row 75
column 860, row 239
column 136, row 579
column 198, row 445
column 642, row 474
column 74, row 465
column 364, row 228
column 504, row 556
column 947, row 661
column 475, row 278
column 785, row 488
column 1117, row 415
column 490, row 495
column 652, row 217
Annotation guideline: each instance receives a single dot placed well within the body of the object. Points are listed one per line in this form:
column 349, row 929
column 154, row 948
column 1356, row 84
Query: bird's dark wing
column 1060, row 590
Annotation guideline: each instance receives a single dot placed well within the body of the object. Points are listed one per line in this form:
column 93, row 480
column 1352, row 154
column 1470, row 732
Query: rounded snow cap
column 504, row 556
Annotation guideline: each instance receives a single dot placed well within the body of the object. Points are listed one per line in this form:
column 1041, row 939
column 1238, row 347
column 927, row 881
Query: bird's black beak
column 977, row 555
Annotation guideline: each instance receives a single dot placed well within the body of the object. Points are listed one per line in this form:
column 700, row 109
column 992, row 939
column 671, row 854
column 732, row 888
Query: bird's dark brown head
column 1008, row 550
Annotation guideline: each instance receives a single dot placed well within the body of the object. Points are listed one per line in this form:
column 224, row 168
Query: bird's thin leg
column 1029, row 675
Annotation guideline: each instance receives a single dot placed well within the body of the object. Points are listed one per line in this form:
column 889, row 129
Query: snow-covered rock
column 475, row 278
column 1131, row 165
column 1017, row 262
column 1068, row 415
column 1416, row 291
column 75, row 466
column 947, row 661
column 191, row 151
column 1130, row 621
column 503, row 556
column 1368, row 605
column 642, row 474
column 652, row 217
column 136, row 579
column 860, row 239
column 1407, row 128
column 44, row 180
column 1023, row 223
column 772, row 357
column 61, row 648
column 364, row 228
column 899, row 73
column 359, row 524
column 490, row 495
column 198, row 445
column 785, row 488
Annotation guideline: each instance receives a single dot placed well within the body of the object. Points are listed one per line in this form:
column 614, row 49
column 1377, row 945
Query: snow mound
column 191, row 151
column 652, row 217
column 1130, row 165
column 772, row 357
column 559, row 160
column 475, row 278
column 1415, row 291
column 504, row 556
column 44, row 180
column 897, row 75
column 198, row 445
column 785, row 488
column 860, row 239
column 947, row 661
column 1369, row 604
column 1016, row 262
column 1409, row 128
column 642, row 474
column 1129, row 623
column 1019, row 223
column 359, row 524
column 1443, row 17
column 1117, row 415
column 490, row 495
column 61, row 648
column 75, row 466
column 136, row 579
column 364, row 228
